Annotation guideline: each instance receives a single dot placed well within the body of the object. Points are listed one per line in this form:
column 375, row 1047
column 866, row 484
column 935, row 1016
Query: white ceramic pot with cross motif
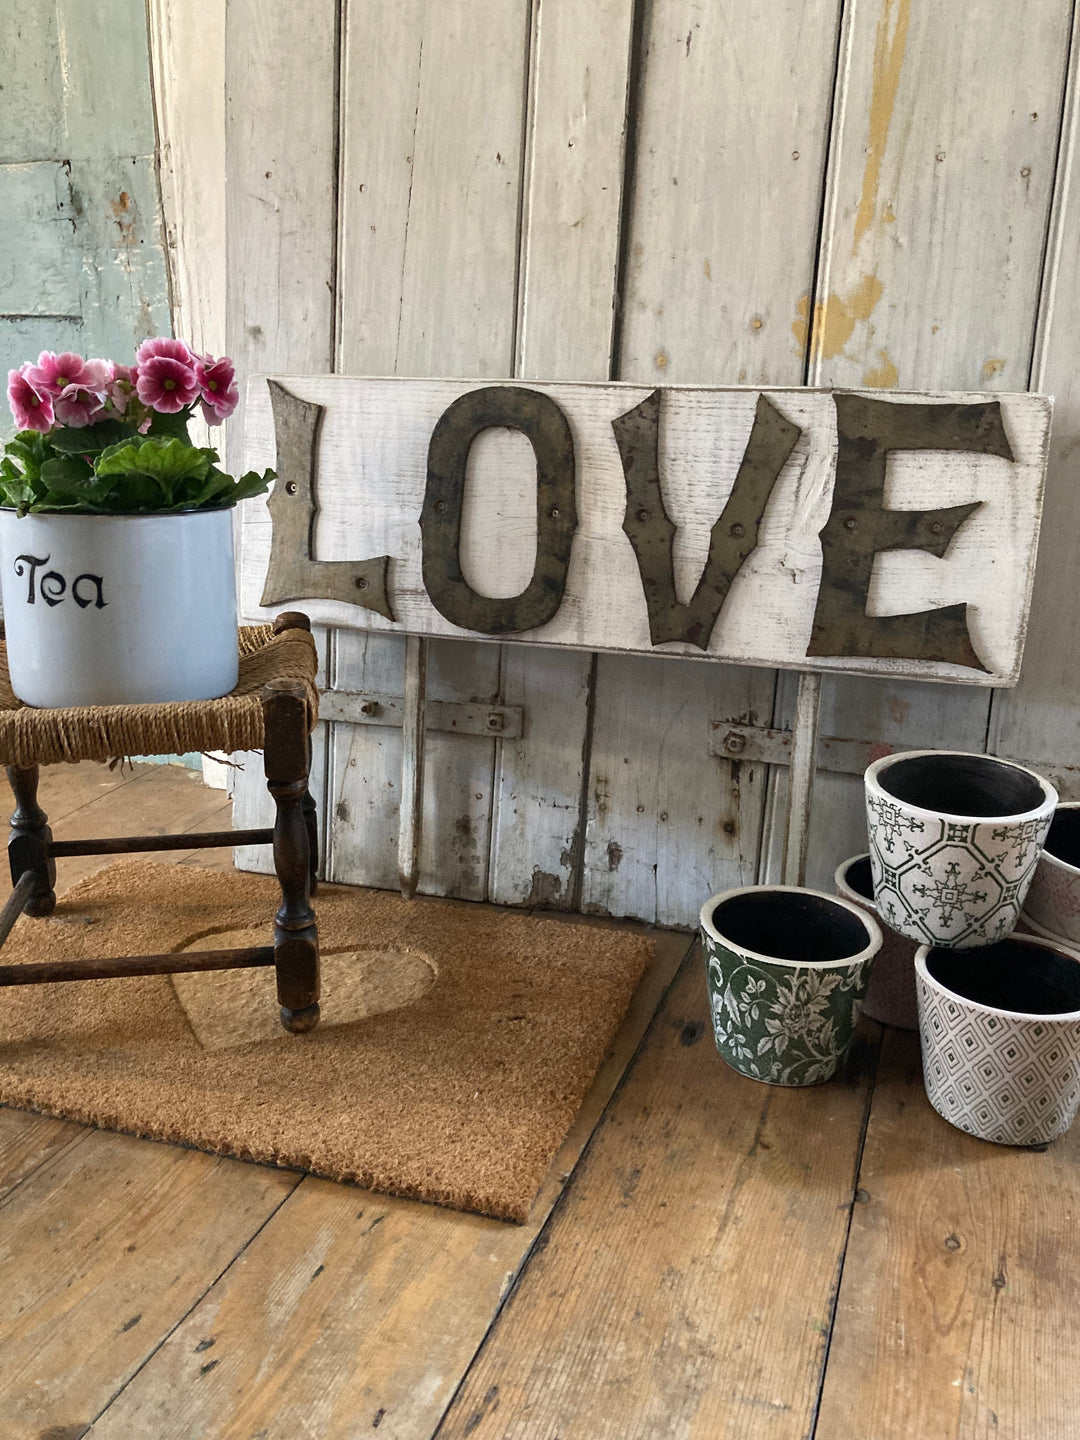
column 954, row 841
column 1000, row 1034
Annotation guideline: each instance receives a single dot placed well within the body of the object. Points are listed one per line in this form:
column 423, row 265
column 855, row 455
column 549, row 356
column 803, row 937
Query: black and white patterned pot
column 1000, row 1038
column 954, row 841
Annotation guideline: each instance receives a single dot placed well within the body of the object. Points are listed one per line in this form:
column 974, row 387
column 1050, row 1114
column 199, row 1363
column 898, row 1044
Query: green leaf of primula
column 166, row 459
column 88, row 439
column 175, row 425
column 252, row 484
column 26, row 452
column 68, row 474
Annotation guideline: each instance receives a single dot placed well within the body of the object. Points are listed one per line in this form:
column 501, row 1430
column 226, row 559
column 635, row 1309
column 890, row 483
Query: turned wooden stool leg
column 296, row 941
column 311, row 820
column 29, row 839
column 297, row 620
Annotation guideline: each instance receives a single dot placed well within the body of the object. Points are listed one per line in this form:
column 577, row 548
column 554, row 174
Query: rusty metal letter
column 733, row 537
column 543, row 423
column 293, row 573
column 859, row 527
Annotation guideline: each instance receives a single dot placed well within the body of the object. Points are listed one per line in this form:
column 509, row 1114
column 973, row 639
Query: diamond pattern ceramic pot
column 787, row 969
column 890, row 996
column 1001, row 1038
column 1052, row 907
column 954, row 840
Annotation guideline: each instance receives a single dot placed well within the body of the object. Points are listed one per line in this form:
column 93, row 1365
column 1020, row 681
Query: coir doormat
column 456, row 1043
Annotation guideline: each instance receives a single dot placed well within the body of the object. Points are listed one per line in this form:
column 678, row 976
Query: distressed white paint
column 580, row 60
column 431, row 144
column 187, row 51
column 372, row 472
column 729, row 139
column 1042, row 717
column 722, row 234
column 280, row 218
column 942, row 158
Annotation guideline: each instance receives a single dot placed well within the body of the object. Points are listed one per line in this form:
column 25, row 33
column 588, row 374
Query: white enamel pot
column 954, row 840
column 1000, row 1034
column 1052, row 907
column 119, row 609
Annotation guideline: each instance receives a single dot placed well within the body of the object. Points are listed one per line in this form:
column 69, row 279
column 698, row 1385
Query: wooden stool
column 274, row 709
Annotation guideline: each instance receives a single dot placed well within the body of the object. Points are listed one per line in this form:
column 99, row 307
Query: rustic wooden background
column 768, row 192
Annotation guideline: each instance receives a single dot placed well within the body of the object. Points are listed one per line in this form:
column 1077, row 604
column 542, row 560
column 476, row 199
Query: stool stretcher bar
column 139, row 844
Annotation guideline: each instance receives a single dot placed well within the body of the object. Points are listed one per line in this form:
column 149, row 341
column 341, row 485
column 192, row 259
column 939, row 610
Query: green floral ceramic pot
column 787, row 970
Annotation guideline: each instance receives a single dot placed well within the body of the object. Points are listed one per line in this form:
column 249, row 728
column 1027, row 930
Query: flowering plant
column 99, row 438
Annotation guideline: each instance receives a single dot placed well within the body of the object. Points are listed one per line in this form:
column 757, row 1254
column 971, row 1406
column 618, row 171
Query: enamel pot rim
column 1057, row 1017
column 873, row 929
column 874, row 785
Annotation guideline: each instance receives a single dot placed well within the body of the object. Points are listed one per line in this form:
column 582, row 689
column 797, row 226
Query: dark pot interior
column 1010, row 976
column 1063, row 841
column 790, row 926
column 859, row 877
column 962, row 785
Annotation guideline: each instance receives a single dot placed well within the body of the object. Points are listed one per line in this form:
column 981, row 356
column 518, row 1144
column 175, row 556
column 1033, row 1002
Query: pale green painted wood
column 82, row 264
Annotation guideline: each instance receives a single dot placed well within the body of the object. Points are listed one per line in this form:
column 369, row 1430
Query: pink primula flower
column 217, row 386
column 78, row 406
column 32, row 410
column 121, row 387
column 54, row 373
column 166, row 385
column 165, row 348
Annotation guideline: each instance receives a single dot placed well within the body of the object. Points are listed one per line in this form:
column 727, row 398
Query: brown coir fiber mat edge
column 456, row 1045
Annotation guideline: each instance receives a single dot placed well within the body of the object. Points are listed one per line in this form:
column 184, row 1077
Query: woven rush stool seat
column 105, row 732
column 273, row 708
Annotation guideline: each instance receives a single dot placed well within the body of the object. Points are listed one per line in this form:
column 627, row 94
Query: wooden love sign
column 804, row 529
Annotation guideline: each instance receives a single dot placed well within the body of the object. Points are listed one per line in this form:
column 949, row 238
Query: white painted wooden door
column 714, row 191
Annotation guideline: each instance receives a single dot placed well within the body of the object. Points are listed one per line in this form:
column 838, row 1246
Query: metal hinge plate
column 356, row 707
column 842, row 756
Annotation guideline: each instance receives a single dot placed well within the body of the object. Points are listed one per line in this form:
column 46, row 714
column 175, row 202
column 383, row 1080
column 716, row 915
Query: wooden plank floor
column 707, row 1258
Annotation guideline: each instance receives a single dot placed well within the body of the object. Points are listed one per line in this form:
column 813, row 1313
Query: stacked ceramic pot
column 956, row 841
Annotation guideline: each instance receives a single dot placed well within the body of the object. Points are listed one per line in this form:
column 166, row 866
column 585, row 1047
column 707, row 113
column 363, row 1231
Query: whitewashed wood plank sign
column 800, row 529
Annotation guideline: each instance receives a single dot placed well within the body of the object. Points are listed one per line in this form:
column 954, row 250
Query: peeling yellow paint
column 885, row 376
column 890, row 42
column 661, row 360
column 888, row 214
column 708, row 270
column 835, row 318
column 992, row 368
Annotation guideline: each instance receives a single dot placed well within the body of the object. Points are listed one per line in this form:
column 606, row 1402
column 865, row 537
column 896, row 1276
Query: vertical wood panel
column 938, row 197
column 580, row 61
column 433, row 114
column 281, row 171
column 731, row 125
column 1040, row 718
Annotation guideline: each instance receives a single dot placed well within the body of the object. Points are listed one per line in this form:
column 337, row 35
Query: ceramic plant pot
column 1001, row 1038
column 1052, row 907
column 890, row 996
column 118, row 609
column 954, row 840
column 787, row 970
